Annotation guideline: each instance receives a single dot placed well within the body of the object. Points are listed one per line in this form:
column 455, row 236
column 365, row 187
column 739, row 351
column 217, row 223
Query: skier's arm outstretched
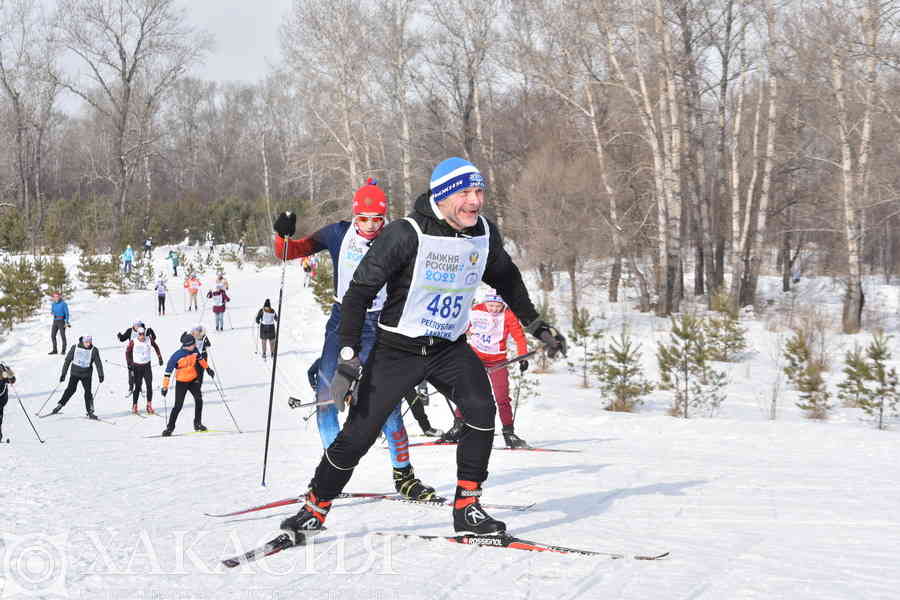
column 125, row 335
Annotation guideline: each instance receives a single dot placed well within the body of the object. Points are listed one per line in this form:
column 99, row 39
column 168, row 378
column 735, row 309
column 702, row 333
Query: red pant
column 500, row 386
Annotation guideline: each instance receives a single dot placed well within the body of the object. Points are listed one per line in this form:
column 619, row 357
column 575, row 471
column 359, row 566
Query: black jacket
column 82, row 372
column 391, row 259
column 126, row 335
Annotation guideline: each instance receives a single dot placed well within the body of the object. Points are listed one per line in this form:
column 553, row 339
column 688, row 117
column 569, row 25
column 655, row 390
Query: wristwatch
column 347, row 353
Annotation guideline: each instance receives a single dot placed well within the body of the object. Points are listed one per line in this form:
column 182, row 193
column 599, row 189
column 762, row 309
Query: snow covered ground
column 748, row 507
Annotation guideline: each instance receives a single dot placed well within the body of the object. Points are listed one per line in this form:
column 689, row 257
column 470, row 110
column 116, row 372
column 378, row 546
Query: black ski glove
column 62, row 378
column 211, row 373
column 286, row 224
column 160, row 362
column 164, row 391
column 553, row 340
column 523, row 366
column 343, row 386
column 101, row 378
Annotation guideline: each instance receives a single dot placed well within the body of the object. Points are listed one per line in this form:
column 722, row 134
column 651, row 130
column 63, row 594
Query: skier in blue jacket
column 348, row 242
column 127, row 259
column 60, row 311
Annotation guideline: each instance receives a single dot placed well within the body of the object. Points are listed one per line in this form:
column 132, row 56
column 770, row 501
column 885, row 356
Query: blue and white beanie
column 453, row 175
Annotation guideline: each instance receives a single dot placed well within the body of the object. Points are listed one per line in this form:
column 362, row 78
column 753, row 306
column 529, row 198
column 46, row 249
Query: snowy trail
column 748, row 508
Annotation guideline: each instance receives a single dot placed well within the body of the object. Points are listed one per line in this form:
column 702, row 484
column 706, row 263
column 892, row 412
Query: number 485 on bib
column 445, row 306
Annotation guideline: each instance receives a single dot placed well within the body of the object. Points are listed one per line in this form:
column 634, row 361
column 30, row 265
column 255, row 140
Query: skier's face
column 461, row 209
column 369, row 224
column 494, row 307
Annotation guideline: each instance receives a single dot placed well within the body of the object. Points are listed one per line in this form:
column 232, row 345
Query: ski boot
column 309, row 520
column 150, row 410
column 167, row 432
column 92, row 416
column 56, row 409
column 411, row 487
column 134, row 408
column 432, row 432
column 199, row 427
column 451, row 436
column 512, row 440
column 468, row 514
column 53, row 351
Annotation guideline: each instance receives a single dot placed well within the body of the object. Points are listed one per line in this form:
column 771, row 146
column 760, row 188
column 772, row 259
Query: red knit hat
column 370, row 199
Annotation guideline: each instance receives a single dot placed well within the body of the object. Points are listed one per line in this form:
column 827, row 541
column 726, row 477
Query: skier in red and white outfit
column 490, row 325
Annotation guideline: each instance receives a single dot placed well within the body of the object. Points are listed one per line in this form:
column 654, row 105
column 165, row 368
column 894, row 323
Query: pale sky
column 246, row 36
column 246, row 40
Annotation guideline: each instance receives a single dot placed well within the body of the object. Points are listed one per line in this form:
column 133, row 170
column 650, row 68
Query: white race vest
column 201, row 342
column 268, row 318
column 140, row 352
column 83, row 356
column 446, row 274
column 486, row 331
column 218, row 299
column 134, row 334
column 353, row 249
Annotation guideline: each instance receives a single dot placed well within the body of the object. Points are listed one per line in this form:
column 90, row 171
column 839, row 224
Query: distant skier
column 148, row 248
column 173, row 258
column 127, row 259
column 192, row 285
column 60, row 311
column 83, row 357
column 187, row 364
column 161, row 292
column 138, row 356
column 6, row 377
column 306, row 265
column 220, row 278
column 266, row 318
column 219, row 300
column 131, row 334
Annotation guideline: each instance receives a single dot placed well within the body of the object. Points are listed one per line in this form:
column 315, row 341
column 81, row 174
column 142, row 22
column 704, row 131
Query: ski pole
column 48, row 398
column 285, row 242
column 26, row 413
column 516, row 401
column 230, row 324
column 112, row 362
column 255, row 335
column 511, row 361
column 222, row 395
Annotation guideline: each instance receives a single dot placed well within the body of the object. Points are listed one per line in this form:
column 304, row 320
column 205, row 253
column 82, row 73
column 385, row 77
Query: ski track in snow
column 748, row 508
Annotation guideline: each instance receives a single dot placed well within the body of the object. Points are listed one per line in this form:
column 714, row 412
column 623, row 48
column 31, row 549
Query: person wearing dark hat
column 186, row 363
column 83, row 357
column 266, row 318
column 348, row 242
column 60, row 311
column 432, row 263
column 6, row 377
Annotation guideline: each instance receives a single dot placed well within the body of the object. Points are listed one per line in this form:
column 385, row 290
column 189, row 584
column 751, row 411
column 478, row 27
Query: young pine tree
column 587, row 340
column 870, row 384
column 797, row 356
column 55, row 278
column 20, row 291
column 684, row 368
column 814, row 396
column 725, row 336
column 100, row 275
column 322, row 286
column 618, row 368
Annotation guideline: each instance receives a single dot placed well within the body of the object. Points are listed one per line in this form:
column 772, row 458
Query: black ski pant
column 417, row 408
column 142, row 373
column 453, row 369
column 85, row 381
column 3, row 398
column 181, row 390
column 161, row 305
column 59, row 325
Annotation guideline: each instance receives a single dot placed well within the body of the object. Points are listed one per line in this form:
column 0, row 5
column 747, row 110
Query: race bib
column 353, row 249
column 82, row 357
column 486, row 331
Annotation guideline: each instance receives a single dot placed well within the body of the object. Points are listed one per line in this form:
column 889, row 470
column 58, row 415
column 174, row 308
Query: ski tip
column 652, row 557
